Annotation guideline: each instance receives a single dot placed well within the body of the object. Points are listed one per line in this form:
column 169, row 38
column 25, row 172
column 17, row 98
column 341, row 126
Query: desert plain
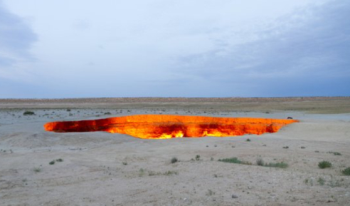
column 97, row 168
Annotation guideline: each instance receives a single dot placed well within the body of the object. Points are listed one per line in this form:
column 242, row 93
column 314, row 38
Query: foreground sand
column 113, row 169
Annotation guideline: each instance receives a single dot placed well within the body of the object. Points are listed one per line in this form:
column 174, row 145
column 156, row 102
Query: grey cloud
column 306, row 57
column 16, row 38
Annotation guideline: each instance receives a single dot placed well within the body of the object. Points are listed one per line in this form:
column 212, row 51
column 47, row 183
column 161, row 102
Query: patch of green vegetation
column 277, row 164
column 52, row 162
column 198, row 157
column 324, row 164
column 28, row 113
column 234, row 160
column 59, row 160
column 125, row 163
column 346, row 171
column 286, row 147
column 167, row 173
column 260, row 162
column 248, row 140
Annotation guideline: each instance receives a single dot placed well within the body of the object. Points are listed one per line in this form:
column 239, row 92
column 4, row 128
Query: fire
column 172, row 126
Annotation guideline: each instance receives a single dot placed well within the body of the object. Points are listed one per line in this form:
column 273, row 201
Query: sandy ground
column 112, row 169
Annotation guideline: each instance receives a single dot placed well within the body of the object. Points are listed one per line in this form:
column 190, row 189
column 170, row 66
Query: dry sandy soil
column 113, row 169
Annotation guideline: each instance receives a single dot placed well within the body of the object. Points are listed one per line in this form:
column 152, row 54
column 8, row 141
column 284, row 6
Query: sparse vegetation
column 170, row 173
column 260, row 162
column 28, row 113
column 173, row 160
column 307, row 181
column 125, row 163
column 234, row 160
column 59, row 160
column 332, row 182
column 324, row 164
column 277, row 164
column 37, row 169
column 321, row 181
column 52, row 162
column 346, row 171
column 335, row 153
column 248, row 140
column 286, row 147
column 198, row 157
column 167, row 173
column 210, row 193
column 141, row 172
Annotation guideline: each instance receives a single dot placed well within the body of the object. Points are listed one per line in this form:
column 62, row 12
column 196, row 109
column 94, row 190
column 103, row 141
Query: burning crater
column 172, row 126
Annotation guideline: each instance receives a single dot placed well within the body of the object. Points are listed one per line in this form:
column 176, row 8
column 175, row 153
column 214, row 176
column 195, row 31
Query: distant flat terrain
column 331, row 105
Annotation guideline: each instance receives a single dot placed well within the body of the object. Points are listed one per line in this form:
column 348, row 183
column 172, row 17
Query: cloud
column 304, row 53
column 16, row 39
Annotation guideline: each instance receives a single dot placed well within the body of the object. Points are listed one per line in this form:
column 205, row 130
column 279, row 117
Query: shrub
column 260, row 162
column 59, row 160
column 170, row 173
column 277, row 164
column 324, row 164
column 346, row 171
column 173, row 160
column 28, row 113
column 234, row 160
column 52, row 162
column 198, row 157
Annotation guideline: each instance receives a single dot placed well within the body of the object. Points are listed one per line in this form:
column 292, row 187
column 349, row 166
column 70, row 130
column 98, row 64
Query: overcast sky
column 174, row 48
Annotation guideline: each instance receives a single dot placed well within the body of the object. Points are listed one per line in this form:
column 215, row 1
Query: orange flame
column 172, row 126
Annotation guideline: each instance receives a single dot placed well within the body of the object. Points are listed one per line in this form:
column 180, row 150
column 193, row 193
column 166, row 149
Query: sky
column 174, row 48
